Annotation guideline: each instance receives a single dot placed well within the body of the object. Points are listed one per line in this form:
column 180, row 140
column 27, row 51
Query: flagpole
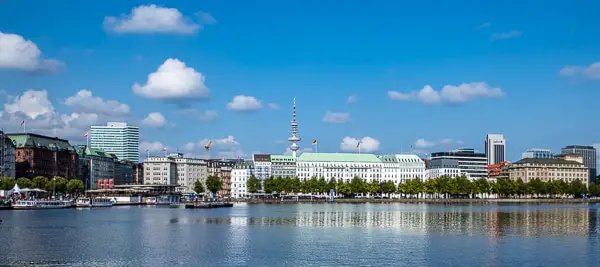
column 24, row 124
column 317, row 148
column 148, row 151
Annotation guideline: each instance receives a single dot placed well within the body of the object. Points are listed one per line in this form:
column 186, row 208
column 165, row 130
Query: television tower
column 294, row 139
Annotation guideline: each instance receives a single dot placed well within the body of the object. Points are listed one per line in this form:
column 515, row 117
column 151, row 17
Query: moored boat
column 83, row 202
column 41, row 204
column 102, row 202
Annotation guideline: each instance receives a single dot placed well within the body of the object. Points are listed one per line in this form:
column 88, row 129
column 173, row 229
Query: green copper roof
column 338, row 157
column 26, row 140
column 282, row 158
column 388, row 158
column 88, row 151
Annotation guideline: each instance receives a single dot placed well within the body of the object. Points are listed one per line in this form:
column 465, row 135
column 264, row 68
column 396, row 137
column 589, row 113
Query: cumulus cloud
column 352, row 99
column 227, row 148
column 367, row 144
column 244, row 103
column 173, row 81
column 156, row 19
column 207, row 115
column 85, row 101
column 40, row 116
column 332, row 117
column 155, row 120
column 449, row 93
column 422, row 143
column 591, row 72
column 507, row 35
column 18, row 53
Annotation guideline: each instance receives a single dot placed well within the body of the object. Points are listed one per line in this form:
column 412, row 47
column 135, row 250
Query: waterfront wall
column 414, row 200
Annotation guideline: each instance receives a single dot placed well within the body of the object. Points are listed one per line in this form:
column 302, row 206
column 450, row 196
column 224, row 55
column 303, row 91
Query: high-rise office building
column 537, row 153
column 495, row 148
column 589, row 157
column 117, row 138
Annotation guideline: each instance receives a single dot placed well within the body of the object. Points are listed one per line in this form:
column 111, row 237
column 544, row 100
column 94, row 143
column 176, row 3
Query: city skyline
column 382, row 88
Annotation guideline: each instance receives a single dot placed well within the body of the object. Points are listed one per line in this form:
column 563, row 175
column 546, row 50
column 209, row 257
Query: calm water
column 305, row 235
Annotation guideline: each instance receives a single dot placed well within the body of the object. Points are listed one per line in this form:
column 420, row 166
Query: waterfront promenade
column 424, row 200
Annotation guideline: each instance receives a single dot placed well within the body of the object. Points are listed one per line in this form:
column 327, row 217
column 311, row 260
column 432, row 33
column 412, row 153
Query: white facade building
column 117, row 138
column 436, row 173
column 400, row 168
column 160, row 171
column 240, row 174
column 190, row 170
column 495, row 148
column 339, row 166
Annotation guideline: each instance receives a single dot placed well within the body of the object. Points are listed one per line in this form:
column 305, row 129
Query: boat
column 83, row 202
column 102, row 202
column 41, row 204
column 5, row 205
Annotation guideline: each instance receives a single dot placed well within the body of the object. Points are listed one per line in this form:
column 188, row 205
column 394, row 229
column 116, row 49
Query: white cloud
column 591, row 72
column 422, row 143
column 273, row 106
column 18, row 53
column 207, row 115
column 332, row 117
column 244, row 103
column 367, row 144
column 156, row 19
column 507, row 35
column 155, row 120
column 85, row 101
column 173, row 81
column 152, row 147
column 226, row 147
column 352, row 99
column 449, row 93
column 40, row 116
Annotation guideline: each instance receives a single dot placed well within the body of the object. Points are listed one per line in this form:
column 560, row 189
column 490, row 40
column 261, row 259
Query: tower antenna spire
column 294, row 139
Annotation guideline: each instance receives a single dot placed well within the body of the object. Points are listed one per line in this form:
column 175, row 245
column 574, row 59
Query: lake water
column 306, row 235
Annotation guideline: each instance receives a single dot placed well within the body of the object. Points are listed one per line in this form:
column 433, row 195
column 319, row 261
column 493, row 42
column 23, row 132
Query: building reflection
column 495, row 223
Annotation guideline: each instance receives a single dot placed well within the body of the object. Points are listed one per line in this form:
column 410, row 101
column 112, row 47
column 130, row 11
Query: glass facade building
column 117, row 138
column 537, row 153
column 589, row 157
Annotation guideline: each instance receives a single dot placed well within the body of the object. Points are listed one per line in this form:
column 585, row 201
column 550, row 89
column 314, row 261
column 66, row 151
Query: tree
column 39, row 182
column 214, row 184
column 343, row 188
column 24, row 182
column 388, row 187
column 7, row 183
column 357, row 185
column 75, row 186
column 253, row 184
column 57, row 184
column 198, row 187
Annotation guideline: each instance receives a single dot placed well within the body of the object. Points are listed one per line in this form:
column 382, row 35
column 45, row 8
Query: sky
column 397, row 75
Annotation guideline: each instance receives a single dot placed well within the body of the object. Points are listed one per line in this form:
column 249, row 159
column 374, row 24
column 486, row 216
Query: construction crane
column 207, row 149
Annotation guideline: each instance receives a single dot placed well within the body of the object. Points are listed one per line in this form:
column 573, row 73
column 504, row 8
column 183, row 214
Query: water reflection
column 553, row 222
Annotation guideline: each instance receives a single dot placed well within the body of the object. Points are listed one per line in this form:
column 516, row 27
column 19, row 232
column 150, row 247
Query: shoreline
column 429, row 200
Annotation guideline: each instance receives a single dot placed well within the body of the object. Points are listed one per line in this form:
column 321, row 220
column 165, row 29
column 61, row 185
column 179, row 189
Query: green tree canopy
column 198, row 187
column 214, row 184
column 7, row 183
column 75, row 186
column 24, row 182
column 39, row 182
column 253, row 184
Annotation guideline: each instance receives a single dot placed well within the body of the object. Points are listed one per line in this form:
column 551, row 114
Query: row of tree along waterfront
column 57, row 184
column 433, row 188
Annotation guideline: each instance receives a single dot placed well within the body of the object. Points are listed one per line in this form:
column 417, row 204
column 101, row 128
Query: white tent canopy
column 17, row 190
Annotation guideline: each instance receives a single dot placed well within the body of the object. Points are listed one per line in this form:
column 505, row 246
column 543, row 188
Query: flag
column 86, row 134
column 147, row 149
column 164, row 149
column 22, row 122
column 314, row 142
column 358, row 145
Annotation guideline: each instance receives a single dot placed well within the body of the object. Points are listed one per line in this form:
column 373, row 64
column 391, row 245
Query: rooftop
column 30, row 140
column 89, row 151
column 338, row 157
column 547, row 161
column 282, row 158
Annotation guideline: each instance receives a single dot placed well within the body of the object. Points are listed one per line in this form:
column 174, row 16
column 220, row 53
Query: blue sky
column 521, row 69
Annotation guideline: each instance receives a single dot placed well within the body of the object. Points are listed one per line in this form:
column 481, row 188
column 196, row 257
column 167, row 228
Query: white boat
column 41, row 204
column 83, row 202
column 99, row 202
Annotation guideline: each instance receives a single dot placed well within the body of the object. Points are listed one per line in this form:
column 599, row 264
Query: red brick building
column 38, row 155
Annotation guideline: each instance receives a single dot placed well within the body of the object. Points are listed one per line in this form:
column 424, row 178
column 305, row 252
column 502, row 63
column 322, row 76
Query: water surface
column 306, row 235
